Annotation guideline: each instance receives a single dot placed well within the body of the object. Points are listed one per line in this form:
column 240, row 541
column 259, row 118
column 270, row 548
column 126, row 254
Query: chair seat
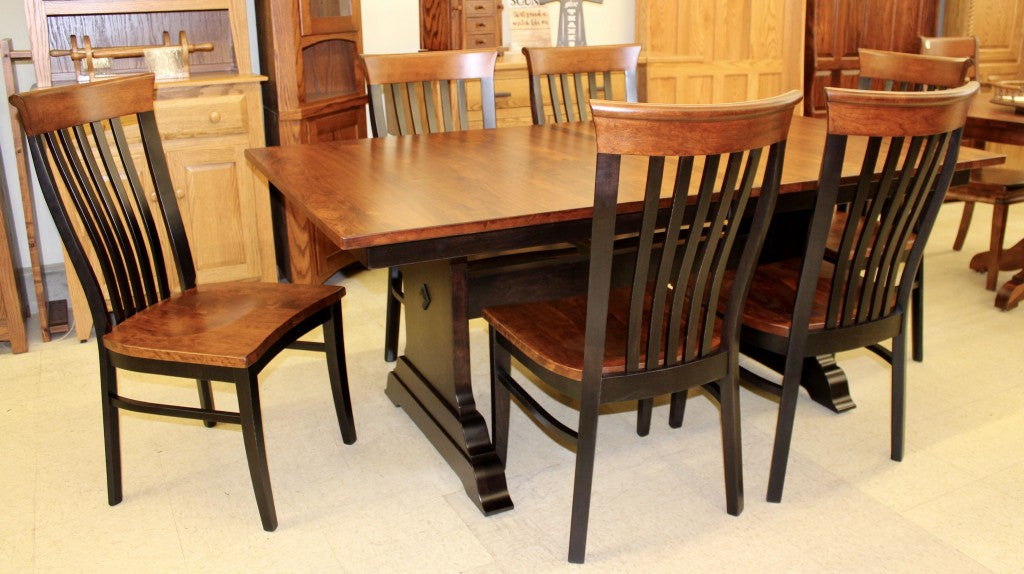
column 552, row 332
column 835, row 236
column 991, row 185
column 219, row 324
column 769, row 305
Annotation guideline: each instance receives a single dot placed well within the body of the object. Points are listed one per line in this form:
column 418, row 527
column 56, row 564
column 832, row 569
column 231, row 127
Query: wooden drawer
column 475, row 26
column 202, row 116
column 480, row 41
column 476, row 8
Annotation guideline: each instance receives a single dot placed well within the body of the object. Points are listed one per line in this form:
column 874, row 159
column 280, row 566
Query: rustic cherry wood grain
column 372, row 195
column 914, row 71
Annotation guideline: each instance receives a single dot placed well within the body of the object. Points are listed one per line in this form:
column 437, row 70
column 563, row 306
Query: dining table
column 989, row 121
column 480, row 217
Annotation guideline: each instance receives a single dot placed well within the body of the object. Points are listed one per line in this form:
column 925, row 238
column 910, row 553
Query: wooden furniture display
column 227, row 331
column 662, row 339
column 315, row 92
column 990, row 122
column 837, row 28
column 207, row 121
column 12, row 310
column 460, row 24
column 817, row 304
column 415, row 94
column 571, row 77
column 723, row 51
column 428, row 203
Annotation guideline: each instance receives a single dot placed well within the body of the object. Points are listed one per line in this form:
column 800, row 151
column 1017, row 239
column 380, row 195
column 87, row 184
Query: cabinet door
column 328, row 16
column 222, row 212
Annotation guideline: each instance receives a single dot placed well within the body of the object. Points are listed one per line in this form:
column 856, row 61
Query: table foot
column 1011, row 293
column 823, row 378
column 462, row 441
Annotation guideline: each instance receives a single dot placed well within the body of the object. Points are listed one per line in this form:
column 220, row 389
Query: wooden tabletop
column 993, row 122
column 384, row 191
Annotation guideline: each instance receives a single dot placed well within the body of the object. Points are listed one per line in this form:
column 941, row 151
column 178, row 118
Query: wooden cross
column 570, row 22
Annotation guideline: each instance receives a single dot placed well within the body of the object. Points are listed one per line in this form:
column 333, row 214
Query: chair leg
column 501, row 399
column 111, row 429
column 586, row 446
column 644, row 410
column 206, row 399
column 965, row 222
column 334, row 342
column 899, row 395
column 995, row 248
column 732, row 450
column 255, row 450
column 677, row 408
column 392, row 321
column 784, row 425
column 917, row 315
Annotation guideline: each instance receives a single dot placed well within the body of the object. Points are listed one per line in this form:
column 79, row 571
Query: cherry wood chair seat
column 858, row 295
column 425, row 93
column 219, row 324
column 659, row 298
column 552, row 333
column 89, row 166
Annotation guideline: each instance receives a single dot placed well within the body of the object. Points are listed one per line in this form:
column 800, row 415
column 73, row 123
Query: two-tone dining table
column 456, row 211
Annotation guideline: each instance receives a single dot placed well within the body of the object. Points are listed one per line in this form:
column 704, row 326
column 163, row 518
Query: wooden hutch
column 207, row 120
column 315, row 92
column 460, row 24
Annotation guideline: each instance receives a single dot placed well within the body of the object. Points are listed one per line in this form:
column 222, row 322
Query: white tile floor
column 389, row 503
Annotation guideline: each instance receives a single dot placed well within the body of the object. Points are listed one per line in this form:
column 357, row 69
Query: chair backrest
column 96, row 190
column 903, row 72
column 426, row 92
column 916, row 137
column 567, row 69
column 704, row 163
column 953, row 47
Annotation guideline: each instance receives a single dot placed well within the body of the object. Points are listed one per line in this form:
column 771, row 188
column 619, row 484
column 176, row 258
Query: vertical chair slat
column 642, row 262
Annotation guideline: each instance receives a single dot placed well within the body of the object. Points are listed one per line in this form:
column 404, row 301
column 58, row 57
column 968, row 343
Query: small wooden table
column 992, row 122
column 430, row 204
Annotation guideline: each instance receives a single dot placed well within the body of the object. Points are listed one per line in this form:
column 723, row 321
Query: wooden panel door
column 838, row 27
column 728, row 50
column 998, row 25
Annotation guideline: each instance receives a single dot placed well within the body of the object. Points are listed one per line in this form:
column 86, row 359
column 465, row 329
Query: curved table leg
column 1011, row 293
column 824, row 380
column 432, row 381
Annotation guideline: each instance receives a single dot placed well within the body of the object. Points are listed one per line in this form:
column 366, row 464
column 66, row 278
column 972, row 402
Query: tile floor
column 390, row 504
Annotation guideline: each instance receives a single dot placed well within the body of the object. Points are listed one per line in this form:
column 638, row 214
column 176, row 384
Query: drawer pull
column 179, row 193
column 479, row 7
column 481, row 24
column 214, row 117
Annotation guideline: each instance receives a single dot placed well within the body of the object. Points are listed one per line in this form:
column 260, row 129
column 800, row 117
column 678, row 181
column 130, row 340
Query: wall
column 388, row 26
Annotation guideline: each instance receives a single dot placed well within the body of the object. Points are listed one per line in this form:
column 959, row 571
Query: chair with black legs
column 899, row 71
column 857, row 295
column 571, row 75
column 647, row 325
column 97, row 154
column 425, row 93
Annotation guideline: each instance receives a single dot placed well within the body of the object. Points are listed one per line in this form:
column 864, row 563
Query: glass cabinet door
column 329, row 16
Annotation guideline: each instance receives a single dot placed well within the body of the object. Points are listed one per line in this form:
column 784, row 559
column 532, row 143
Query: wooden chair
column 647, row 325
column 859, row 296
column 899, row 71
column 571, row 76
column 999, row 186
column 96, row 187
column 426, row 92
